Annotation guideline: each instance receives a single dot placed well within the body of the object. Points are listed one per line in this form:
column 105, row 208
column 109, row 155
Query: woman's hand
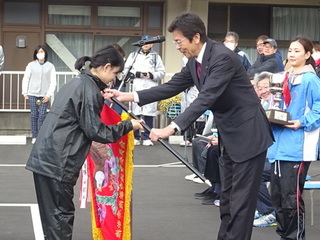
column 45, row 99
column 295, row 124
column 137, row 124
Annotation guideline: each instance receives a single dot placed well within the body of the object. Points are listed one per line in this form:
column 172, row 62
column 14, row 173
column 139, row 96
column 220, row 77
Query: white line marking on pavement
column 157, row 166
column 36, row 220
column 12, row 165
column 35, row 215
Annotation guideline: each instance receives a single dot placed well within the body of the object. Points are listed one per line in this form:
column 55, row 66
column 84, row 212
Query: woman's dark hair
column 262, row 37
column 316, row 47
column 37, row 50
column 308, row 47
column 107, row 54
column 189, row 24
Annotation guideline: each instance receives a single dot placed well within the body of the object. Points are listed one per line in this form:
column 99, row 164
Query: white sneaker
column 190, row 177
column 257, row 215
column 197, row 180
column 147, row 142
column 136, row 142
column 268, row 220
column 33, row 140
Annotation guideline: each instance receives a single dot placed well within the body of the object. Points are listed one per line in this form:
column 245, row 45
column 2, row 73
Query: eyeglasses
column 268, row 47
column 178, row 42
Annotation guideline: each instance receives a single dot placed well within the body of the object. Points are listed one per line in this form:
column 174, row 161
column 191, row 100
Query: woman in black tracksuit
column 66, row 136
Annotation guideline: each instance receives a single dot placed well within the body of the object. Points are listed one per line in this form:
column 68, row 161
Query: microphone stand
column 128, row 77
column 167, row 146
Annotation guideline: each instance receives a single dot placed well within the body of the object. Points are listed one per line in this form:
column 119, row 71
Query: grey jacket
column 39, row 80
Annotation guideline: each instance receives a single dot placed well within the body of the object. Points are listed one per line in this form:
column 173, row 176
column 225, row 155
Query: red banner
column 110, row 168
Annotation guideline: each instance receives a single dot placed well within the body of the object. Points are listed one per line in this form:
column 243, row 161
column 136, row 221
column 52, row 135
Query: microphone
column 157, row 39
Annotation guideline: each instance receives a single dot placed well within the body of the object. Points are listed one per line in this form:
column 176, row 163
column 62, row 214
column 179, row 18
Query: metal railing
column 11, row 99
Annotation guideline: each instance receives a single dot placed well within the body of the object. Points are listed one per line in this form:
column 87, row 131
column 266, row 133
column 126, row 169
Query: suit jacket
column 225, row 89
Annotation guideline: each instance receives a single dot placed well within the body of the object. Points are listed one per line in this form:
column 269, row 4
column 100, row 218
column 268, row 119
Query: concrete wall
column 15, row 123
column 171, row 56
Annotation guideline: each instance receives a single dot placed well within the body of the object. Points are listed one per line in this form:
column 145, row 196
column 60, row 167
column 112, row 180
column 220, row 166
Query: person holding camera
column 148, row 70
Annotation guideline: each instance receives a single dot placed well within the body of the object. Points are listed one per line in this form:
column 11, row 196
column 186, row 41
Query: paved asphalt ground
column 163, row 203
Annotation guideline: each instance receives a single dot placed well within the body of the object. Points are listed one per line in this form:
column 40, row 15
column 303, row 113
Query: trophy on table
column 275, row 114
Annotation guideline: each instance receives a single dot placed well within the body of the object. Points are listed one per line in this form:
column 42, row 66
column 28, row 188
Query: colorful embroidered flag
column 110, row 168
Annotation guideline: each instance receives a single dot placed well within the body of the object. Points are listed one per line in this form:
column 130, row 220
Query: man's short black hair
column 189, row 24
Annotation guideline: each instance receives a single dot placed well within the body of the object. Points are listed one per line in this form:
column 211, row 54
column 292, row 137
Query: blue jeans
column 264, row 203
column 38, row 114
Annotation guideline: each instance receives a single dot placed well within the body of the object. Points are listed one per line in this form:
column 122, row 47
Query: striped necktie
column 198, row 69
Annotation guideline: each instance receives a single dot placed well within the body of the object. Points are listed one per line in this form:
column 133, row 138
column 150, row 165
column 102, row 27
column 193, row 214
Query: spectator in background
column 38, row 85
column 148, row 70
column 231, row 41
column 260, row 40
column 199, row 149
column 1, row 58
column 316, row 57
column 206, row 152
column 267, row 60
column 187, row 97
column 117, row 82
column 259, row 44
column 265, row 213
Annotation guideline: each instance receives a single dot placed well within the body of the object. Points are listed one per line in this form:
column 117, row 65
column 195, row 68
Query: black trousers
column 287, row 182
column 56, row 207
column 240, row 183
column 212, row 170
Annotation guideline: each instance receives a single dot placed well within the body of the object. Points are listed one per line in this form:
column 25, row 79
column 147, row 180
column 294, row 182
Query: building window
column 155, row 19
column 66, row 48
column 69, row 15
column 106, row 25
column 114, row 16
column 289, row 22
column 251, row 21
column 217, row 21
column 21, row 13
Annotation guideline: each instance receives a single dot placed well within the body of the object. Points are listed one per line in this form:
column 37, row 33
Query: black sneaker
column 211, row 200
column 212, row 196
column 205, row 193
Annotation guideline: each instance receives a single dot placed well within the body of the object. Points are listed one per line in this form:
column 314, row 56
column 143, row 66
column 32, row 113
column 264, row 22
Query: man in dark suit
column 244, row 132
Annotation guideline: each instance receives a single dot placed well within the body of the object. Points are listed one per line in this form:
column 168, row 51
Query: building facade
column 75, row 28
